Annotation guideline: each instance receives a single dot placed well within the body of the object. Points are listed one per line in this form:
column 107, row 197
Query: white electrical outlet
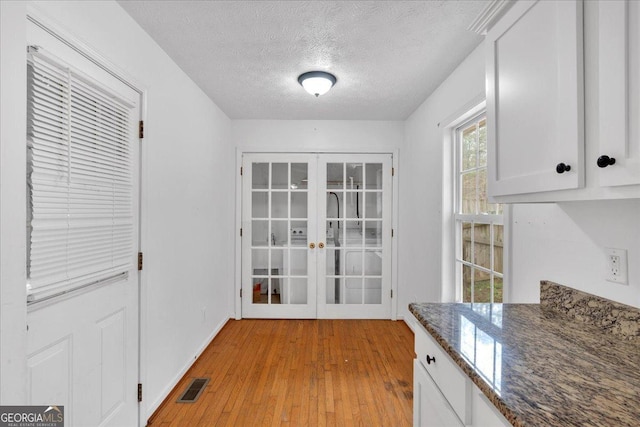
column 616, row 265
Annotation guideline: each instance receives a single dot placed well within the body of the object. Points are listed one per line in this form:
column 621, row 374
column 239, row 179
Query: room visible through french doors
column 316, row 235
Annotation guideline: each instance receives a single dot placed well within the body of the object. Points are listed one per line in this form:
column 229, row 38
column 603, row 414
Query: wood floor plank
column 300, row 373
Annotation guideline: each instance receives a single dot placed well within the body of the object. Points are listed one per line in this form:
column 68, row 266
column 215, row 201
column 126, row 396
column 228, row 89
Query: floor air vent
column 193, row 391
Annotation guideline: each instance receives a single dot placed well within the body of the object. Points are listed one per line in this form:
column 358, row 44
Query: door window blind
column 80, row 179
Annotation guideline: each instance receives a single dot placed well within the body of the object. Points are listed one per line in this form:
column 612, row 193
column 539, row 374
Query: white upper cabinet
column 535, row 98
column 563, row 90
column 619, row 92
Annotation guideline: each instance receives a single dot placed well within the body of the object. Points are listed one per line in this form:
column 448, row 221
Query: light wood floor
column 300, row 373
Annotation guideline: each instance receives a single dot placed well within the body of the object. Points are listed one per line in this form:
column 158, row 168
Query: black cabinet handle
column 430, row 359
column 562, row 168
column 604, row 161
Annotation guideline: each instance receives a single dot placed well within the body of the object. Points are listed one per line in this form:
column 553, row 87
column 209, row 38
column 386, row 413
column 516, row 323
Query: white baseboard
column 411, row 323
column 167, row 390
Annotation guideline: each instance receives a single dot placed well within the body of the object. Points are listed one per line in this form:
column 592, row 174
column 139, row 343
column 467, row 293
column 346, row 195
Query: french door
column 316, row 235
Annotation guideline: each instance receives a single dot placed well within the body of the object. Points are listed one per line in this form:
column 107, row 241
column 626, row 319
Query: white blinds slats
column 80, row 180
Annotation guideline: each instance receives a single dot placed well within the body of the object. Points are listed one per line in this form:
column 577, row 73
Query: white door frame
column 39, row 18
column 238, row 219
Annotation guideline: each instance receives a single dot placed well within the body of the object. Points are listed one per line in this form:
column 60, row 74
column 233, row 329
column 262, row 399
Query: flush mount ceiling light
column 317, row 82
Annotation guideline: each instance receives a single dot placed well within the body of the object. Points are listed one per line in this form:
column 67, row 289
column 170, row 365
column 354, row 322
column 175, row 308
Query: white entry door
column 83, row 281
column 316, row 236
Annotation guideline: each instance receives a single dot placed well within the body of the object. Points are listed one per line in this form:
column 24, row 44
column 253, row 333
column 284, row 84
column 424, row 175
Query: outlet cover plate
column 617, row 265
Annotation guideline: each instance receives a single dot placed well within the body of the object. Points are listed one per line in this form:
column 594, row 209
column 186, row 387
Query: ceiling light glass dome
column 317, row 82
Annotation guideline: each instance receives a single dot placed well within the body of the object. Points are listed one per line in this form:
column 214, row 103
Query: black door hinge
column 241, row 232
column 139, row 392
column 141, row 129
column 140, row 261
column 241, row 170
column 391, row 293
column 393, row 171
column 240, row 293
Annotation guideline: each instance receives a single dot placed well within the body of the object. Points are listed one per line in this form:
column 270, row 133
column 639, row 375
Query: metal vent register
column 193, row 391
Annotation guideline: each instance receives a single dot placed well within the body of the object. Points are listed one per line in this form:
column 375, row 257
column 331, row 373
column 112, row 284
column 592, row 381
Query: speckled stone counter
column 538, row 366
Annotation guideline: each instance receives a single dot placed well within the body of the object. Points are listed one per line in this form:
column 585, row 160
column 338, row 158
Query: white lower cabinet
column 443, row 395
column 484, row 413
column 430, row 408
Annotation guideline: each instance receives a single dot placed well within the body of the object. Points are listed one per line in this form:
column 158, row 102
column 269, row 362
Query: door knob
column 312, row 245
column 321, row 245
column 604, row 161
column 562, row 168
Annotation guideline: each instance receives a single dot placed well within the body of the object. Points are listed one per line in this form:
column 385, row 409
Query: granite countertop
column 541, row 366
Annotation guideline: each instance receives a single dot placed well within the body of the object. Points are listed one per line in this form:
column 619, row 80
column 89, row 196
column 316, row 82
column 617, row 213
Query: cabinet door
column 430, row 408
column 484, row 413
column 535, row 99
column 619, row 92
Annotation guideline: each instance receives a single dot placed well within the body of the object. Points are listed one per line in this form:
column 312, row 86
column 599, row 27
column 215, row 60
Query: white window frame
column 477, row 218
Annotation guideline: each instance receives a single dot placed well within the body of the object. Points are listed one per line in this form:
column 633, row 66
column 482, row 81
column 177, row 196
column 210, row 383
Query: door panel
column 356, row 205
column 83, row 346
column 278, row 270
column 333, row 261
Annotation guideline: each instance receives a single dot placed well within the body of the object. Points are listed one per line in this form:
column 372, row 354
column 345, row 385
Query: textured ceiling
column 388, row 56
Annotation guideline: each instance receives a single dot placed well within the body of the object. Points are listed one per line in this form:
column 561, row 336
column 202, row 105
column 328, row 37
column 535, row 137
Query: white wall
column 565, row 243
column 187, row 208
column 13, row 107
column 424, row 162
column 320, row 135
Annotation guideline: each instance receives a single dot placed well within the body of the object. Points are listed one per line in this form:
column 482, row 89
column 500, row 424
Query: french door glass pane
column 279, row 205
column 335, row 204
column 297, row 291
column 299, row 205
column 373, row 205
column 373, row 291
column 260, row 204
column 373, row 176
column 280, row 176
column 299, row 233
column 298, row 262
column 373, row 234
column 373, row 263
column 260, row 176
column 299, row 176
column 354, row 291
column 335, row 176
column 279, row 233
column 259, row 233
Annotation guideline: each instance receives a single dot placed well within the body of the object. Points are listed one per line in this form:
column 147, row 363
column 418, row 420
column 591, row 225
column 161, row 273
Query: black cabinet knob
column 562, row 168
column 604, row 161
column 430, row 359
